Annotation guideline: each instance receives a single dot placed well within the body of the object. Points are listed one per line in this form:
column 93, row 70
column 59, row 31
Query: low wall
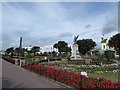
column 77, row 61
column 11, row 60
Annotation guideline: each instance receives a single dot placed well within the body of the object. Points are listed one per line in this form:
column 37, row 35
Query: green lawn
column 109, row 75
column 93, row 71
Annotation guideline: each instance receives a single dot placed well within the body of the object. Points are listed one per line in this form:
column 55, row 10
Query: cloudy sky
column 46, row 23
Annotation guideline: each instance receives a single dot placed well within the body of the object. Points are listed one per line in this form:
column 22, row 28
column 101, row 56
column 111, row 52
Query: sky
column 46, row 23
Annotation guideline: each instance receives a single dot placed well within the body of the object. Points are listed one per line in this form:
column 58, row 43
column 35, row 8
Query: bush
column 109, row 54
column 9, row 59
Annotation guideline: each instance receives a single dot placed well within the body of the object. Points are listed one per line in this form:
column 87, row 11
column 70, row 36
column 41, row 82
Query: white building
column 48, row 48
column 105, row 46
column 2, row 52
column 29, row 47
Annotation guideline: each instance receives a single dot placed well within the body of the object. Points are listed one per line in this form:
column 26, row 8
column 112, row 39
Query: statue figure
column 75, row 39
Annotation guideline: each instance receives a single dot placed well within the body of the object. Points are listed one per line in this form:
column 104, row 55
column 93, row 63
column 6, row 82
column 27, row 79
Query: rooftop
column 104, row 41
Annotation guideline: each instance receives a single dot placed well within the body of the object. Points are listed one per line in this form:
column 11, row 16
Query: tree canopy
column 115, row 42
column 85, row 45
column 9, row 50
column 35, row 49
column 62, row 46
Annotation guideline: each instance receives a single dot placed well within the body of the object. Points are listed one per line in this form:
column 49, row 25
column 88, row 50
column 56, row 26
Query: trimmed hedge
column 8, row 59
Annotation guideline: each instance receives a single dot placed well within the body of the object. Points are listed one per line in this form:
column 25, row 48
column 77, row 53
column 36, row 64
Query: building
column 29, row 47
column 48, row 48
column 2, row 52
column 105, row 47
column 93, row 52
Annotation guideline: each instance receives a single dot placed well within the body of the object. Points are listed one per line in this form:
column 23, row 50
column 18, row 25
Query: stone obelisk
column 20, row 43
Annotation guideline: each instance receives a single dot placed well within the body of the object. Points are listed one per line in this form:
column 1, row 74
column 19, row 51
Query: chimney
column 102, row 38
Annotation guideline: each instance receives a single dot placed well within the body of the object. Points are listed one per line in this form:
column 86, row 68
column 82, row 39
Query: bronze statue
column 75, row 39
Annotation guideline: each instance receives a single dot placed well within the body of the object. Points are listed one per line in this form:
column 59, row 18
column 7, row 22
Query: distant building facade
column 29, row 47
column 48, row 48
column 105, row 46
column 2, row 52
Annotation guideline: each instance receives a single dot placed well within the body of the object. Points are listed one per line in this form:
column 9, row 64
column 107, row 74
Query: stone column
column 22, row 62
column 16, row 61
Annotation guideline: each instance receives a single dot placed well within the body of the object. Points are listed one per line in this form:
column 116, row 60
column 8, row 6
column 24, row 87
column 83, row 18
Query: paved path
column 16, row 77
column 0, row 72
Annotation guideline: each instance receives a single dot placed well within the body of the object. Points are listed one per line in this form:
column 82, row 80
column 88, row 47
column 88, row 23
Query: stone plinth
column 75, row 53
column 16, row 62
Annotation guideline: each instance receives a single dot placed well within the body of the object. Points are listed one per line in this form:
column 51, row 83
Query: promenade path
column 16, row 77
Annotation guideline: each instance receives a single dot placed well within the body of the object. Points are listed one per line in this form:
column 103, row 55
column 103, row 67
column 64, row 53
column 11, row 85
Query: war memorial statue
column 75, row 52
column 75, row 39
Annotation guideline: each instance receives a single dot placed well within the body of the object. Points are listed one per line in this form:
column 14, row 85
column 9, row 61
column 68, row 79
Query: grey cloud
column 119, row 21
column 87, row 32
column 98, row 45
column 22, row 33
column 88, row 26
column 83, row 33
column 7, row 40
column 47, row 40
column 66, row 34
column 119, row 17
column 12, row 38
column 40, row 41
column 110, row 26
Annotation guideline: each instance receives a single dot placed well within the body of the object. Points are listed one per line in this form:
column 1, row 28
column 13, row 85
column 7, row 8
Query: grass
column 109, row 75
column 93, row 72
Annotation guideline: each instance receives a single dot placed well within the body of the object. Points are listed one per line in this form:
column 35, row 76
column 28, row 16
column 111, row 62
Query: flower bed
column 72, row 79
column 87, row 68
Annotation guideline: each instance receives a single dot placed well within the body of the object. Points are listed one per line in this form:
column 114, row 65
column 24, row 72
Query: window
column 103, row 46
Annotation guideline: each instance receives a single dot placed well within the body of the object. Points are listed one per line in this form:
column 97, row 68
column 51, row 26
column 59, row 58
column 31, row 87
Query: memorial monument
column 19, row 61
column 75, row 52
column 20, row 43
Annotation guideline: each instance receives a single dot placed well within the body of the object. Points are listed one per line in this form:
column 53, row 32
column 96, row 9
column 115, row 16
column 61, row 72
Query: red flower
column 83, row 85
column 73, row 79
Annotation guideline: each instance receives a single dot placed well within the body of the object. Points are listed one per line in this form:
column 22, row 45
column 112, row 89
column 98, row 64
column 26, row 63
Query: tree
column 100, row 57
column 19, row 51
column 28, row 58
column 109, row 54
column 62, row 46
column 55, row 45
column 54, row 53
column 10, row 51
column 85, row 45
column 45, row 53
column 35, row 49
column 115, row 42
